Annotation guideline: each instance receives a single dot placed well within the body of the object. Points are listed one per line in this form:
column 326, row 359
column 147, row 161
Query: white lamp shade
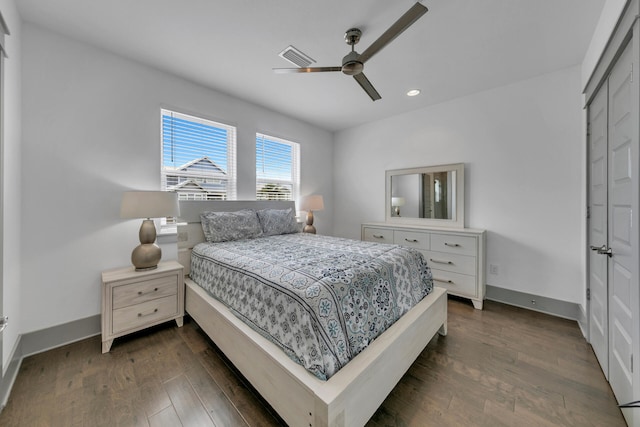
column 149, row 204
column 397, row 201
column 312, row 203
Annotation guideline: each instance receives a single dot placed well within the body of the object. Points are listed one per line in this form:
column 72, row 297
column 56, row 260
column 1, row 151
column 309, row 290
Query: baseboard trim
column 43, row 340
column 56, row 336
column 554, row 307
column 582, row 322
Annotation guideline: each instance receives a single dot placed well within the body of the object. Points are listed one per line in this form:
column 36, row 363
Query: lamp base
column 147, row 269
column 146, row 256
column 309, row 228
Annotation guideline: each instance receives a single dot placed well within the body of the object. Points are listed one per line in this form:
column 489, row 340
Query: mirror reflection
column 429, row 195
column 424, row 195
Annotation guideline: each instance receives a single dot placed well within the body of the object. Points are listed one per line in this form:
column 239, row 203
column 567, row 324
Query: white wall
column 11, row 164
column 92, row 130
column 521, row 144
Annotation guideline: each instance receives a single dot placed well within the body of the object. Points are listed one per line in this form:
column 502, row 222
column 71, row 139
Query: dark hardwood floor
column 502, row 366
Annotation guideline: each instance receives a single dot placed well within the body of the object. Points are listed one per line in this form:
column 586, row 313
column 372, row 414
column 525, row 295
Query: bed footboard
column 348, row 398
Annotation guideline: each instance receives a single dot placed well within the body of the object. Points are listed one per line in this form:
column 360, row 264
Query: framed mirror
column 432, row 195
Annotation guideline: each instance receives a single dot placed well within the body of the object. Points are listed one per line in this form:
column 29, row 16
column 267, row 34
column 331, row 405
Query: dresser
column 134, row 300
column 456, row 256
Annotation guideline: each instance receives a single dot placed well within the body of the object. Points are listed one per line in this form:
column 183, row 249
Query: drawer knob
column 411, row 240
column 453, row 245
column 443, row 280
column 148, row 314
column 377, row 236
column 154, row 290
column 437, row 261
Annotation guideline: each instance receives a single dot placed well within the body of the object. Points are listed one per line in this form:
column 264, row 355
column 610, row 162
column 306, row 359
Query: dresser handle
column 377, row 236
column 411, row 240
column 453, row 245
column 155, row 310
column 440, row 262
column 443, row 280
column 154, row 290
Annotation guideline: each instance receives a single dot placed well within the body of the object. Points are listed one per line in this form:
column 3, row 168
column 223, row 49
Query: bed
column 351, row 395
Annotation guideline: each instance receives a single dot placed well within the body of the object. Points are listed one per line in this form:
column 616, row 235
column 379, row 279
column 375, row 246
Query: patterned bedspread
column 321, row 299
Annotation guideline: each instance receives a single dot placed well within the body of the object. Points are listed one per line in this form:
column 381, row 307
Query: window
column 198, row 157
column 277, row 171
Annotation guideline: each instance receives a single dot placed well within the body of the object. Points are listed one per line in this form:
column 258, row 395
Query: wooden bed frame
column 348, row 398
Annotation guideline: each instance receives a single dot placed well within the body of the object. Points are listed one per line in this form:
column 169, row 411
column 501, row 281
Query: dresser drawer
column 452, row 243
column 138, row 292
column 412, row 239
column 135, row 316
column 379, row 235
column 455, row 263
column 454, row 283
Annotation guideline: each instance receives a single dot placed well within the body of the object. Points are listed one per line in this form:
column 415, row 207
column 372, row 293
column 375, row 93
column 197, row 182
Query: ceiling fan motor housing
column 350, row 64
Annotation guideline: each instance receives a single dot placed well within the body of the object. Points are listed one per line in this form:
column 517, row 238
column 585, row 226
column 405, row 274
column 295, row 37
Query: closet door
column 613, row 227
column 622, row 230
column 598, row 230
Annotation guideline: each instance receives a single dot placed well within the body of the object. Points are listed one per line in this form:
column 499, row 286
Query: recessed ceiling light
column 413, row 92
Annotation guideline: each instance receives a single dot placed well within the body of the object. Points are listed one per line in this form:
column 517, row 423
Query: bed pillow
column 277, row 221
column 226, row 226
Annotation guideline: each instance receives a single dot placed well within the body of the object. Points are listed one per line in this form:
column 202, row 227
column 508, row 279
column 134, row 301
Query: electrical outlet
column 494, row 269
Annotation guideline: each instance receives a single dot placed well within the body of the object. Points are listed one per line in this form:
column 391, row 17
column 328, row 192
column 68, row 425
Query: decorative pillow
column 225, row 226
column 277, row 221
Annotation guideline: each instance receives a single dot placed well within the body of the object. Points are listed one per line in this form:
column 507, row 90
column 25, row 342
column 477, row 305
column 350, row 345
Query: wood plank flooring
column 502, row 366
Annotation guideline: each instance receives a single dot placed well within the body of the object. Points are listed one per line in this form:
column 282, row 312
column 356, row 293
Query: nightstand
column 134, row 300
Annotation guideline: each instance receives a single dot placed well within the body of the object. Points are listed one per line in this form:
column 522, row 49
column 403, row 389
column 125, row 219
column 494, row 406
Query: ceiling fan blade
column 306, row 70
column 398, row 27
column 367, row 86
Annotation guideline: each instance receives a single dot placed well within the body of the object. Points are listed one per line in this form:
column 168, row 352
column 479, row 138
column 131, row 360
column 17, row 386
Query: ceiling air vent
column 296, row 57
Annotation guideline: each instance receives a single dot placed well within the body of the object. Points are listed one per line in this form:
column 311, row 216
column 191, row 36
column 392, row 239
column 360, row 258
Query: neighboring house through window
column 198, row 157
column 277, row 168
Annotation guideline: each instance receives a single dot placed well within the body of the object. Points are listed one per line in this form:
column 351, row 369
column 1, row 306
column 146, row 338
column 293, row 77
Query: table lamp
column 310, row 204
column 396, row 202
column 148, row 204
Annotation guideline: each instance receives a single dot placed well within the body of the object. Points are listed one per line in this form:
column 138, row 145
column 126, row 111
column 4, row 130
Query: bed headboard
column 190, row 230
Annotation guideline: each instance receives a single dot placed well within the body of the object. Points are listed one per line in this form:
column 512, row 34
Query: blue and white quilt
column 321, row 299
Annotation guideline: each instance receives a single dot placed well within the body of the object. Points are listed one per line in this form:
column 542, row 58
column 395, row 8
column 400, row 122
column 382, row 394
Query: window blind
column 277, row 168
column 198, row 157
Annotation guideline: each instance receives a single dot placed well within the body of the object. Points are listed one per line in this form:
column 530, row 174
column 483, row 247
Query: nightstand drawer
column 135, row 316
column 379, row 235
column 412, row 239
column 462, row 245
column 455, row 263
column 138, row 292
column 456, row 284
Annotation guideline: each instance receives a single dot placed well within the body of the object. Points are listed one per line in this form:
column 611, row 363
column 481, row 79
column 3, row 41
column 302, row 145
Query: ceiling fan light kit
column 353, row 62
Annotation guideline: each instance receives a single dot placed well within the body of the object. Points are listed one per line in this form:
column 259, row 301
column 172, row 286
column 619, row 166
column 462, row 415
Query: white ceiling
column 459, row 47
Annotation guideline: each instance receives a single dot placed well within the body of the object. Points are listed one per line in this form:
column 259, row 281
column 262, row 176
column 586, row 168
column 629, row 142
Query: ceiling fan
column 353, row 62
